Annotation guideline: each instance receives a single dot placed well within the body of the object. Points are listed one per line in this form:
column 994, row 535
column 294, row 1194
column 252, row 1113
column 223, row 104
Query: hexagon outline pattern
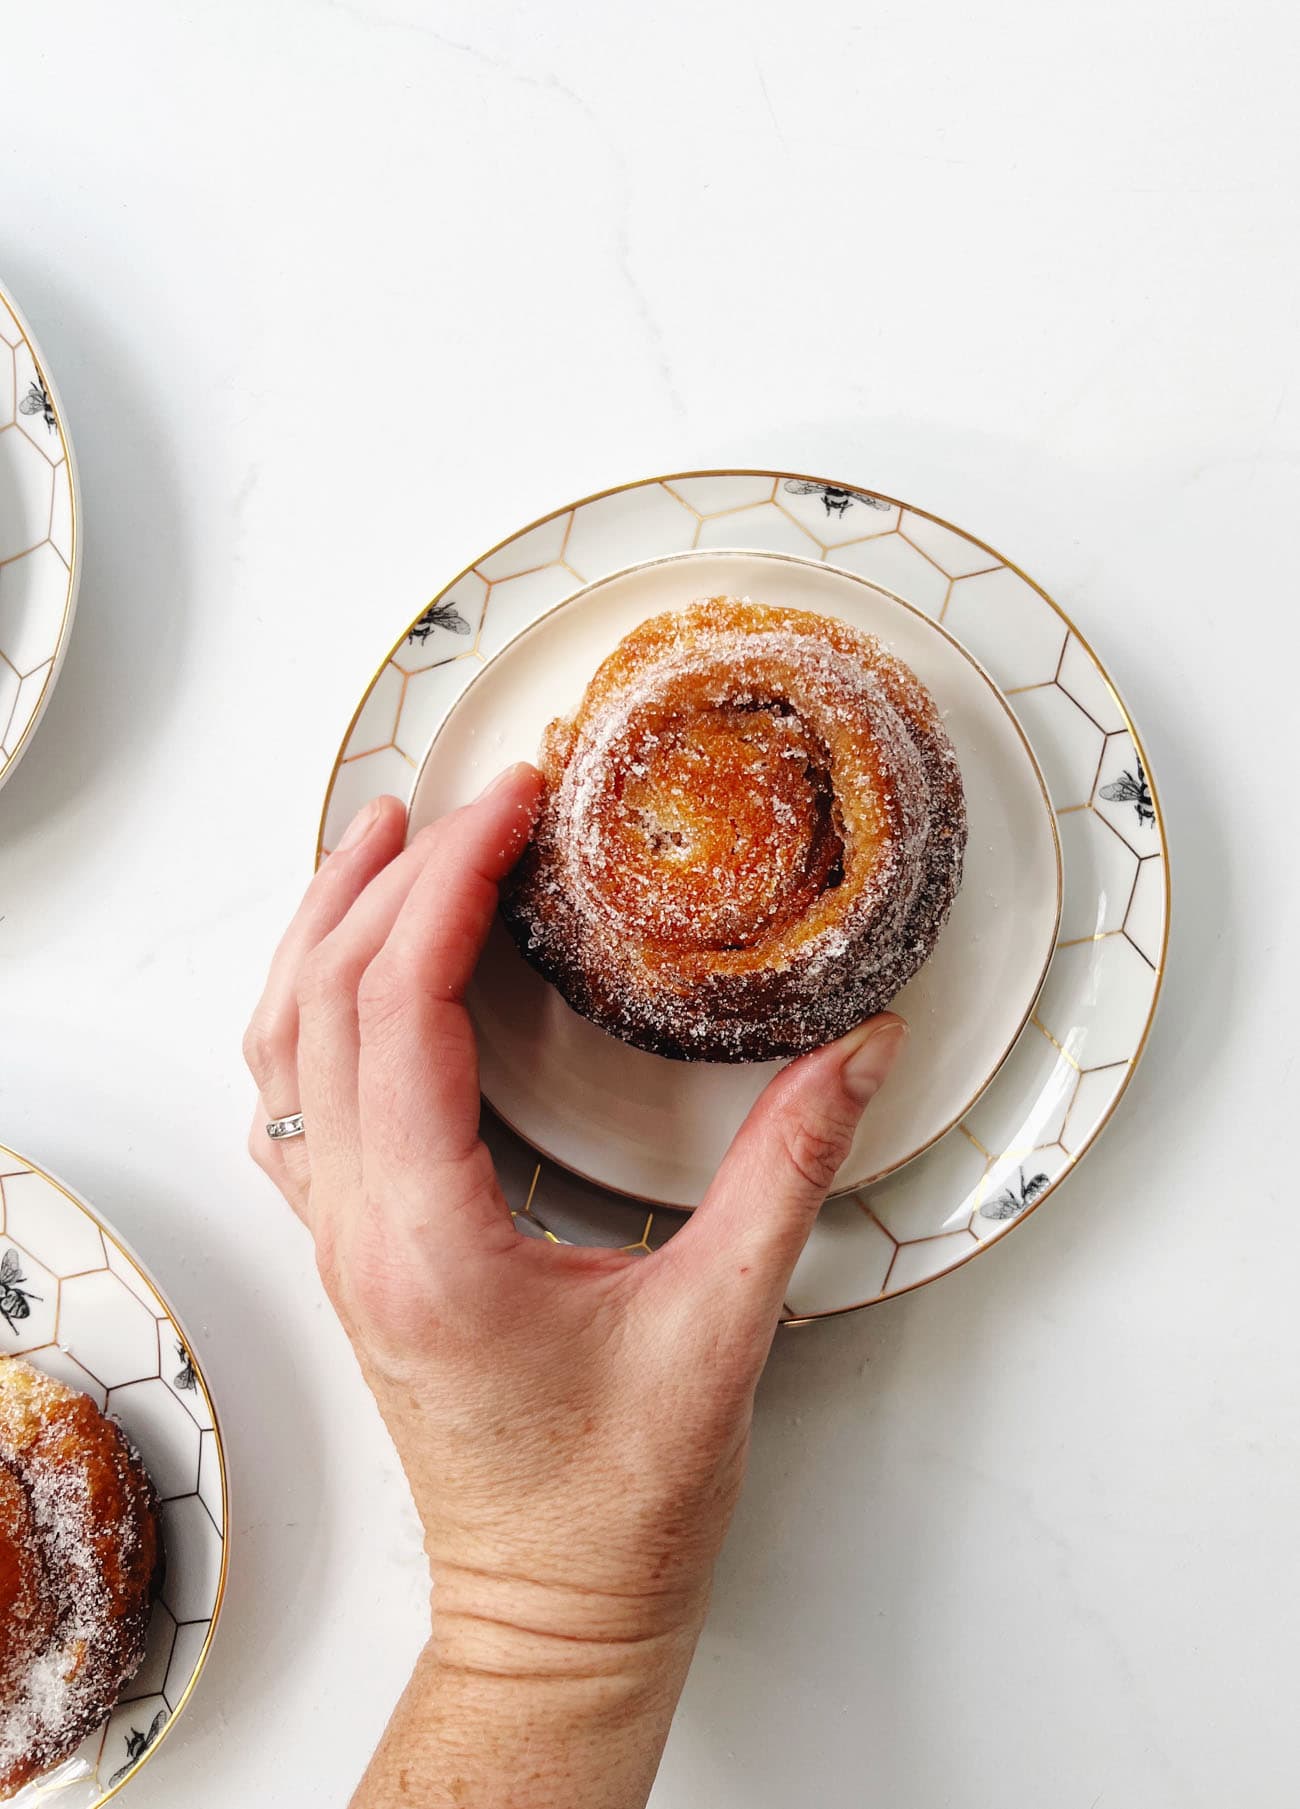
column 106, row 1332
column 1008, row 620
column 40, row 563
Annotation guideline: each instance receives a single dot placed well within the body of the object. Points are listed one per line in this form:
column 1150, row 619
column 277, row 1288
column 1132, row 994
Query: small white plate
column 75, row 1303
column 1073, row 1060
column 655, row 1129
column 39, row 535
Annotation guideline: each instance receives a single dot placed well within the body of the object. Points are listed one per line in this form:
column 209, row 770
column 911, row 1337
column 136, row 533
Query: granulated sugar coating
column 80, row 1563
column 751, row 835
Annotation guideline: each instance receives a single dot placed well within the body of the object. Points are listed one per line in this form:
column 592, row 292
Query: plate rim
column 75, row 561
column 115, row 1237
column 981, row 672
column 667, row 479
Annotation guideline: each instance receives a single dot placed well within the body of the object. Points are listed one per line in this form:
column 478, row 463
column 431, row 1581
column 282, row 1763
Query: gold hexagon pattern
column 74, row 1302
column 1065, row 1075
column 38, row 536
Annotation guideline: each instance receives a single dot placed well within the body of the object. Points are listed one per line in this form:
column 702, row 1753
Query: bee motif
column 15, row 1299
column 1013, row 1200
column 836, row 500
column 138, row 1744
column 438, row 615
column 185, row 1377
column 37, row 402
column 1128, row 789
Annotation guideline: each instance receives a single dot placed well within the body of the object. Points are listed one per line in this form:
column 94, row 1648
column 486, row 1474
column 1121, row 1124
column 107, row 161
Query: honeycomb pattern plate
column 599, row 1107
column 77, row 1304
column 1070, row 1065
column 39, row 515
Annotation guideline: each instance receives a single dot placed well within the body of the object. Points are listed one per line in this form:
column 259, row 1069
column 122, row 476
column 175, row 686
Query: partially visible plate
column 654, row 1129
column 75, row 1303
column 39, row 535
column 1073, row 1060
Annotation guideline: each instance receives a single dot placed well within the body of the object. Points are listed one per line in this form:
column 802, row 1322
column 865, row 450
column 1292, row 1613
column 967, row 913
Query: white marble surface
column 337, row 294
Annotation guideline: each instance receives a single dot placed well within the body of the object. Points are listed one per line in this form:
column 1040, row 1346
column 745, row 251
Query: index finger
column 373, row 839
column 418, row 1070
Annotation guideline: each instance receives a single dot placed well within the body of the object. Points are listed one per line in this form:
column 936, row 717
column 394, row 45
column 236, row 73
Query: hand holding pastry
column 573, row 1422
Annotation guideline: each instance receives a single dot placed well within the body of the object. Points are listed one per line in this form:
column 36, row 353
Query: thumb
column 746, row 1235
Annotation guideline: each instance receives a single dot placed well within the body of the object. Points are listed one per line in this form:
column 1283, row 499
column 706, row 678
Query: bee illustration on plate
column 37, row 402
column 438, row 615
column 835, row 499
column 1013, row 1200
column 15, row 1299
column 185, row 1377
column 1128, row 789
column 138, row 1744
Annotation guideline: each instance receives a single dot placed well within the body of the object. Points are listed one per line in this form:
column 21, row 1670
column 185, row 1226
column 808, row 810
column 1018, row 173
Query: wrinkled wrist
column 552, row 1630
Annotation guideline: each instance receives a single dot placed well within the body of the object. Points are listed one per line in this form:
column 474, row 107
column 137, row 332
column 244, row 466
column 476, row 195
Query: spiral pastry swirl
column 80, row 1564
column 750, row 837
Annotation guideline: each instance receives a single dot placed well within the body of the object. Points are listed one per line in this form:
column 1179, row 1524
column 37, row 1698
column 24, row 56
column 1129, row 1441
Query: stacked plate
column 1030, row 1018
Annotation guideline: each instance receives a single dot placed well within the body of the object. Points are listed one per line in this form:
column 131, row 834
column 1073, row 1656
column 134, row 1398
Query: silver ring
column 285, row 1127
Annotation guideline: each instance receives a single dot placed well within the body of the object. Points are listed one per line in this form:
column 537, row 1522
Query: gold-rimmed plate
column 656, row 1130
column 1073, row 1059
column 78, row 1305
column 39, row 535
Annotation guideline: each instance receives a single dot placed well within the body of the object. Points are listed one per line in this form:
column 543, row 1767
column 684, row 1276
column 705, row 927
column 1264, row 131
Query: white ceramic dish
column 40, row 559
column 78, row 1305
column 654, row 1129
column 1072, row 1061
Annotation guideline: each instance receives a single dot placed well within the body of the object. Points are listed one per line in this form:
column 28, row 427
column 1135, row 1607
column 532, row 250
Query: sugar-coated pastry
column 80, row 1564
column 751, row 834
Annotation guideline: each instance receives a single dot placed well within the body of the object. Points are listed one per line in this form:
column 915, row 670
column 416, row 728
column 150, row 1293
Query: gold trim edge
column 124, row 1249
column 1000, row 559
column 74, row 562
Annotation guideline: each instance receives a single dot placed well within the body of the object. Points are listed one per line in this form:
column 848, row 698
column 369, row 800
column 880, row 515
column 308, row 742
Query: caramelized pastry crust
column 751, row 834
column 80, row 1564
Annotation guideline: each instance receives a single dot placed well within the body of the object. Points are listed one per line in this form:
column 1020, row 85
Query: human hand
column 573, row 1421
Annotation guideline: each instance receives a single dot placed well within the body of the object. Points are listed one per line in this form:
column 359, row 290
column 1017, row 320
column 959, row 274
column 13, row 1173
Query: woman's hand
column 573, row 1422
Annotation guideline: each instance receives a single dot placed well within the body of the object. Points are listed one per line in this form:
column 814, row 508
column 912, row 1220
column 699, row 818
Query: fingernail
column 361, row 825
column 509, row 777
column 867, row 1064
column 494, row 785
